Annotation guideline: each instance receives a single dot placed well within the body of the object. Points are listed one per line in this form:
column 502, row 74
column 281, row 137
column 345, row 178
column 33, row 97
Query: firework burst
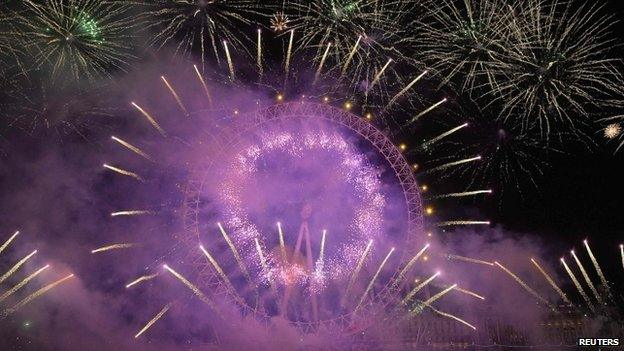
column 10, row 50
column 613, row 130
column 280, row 22
column 512, row 160
column 559, row 71
column 200, row 26
column 33, row 105
column 362, row 38
column 463, row 42
column 76, row 39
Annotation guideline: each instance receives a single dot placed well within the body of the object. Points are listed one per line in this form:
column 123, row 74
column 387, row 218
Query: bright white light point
column 165, row 266
column 612, row 131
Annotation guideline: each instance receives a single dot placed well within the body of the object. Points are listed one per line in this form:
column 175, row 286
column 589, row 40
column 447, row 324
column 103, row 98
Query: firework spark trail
column 16, row 266
column 288, row 53
column 357, row 269
column 259, row 53
column 372, row 281
column 424, row 112
column 622, row 254
column 229, row 60
column 35, row 295
column 603, row 280
column 419, row 287
column 175, row 95
column 141, row 279
column 263, row 262
column 578, row 285
column 452, row 164
column 322, row 63
column 123, row 172
column 191, row 286
column 448, row 315
column 525, row 286
column 132, row 148
column 203, row 83
column 404, row 90
column 150, row 119
column 131, row 213
column 432, row 141
column 462, row 194
column 552, row 282
column 379, row 74
column 219, row 270
column 320, row 262
column 21, row 284
column 427, row 303
column 468, row 292
column 153, row 320
column 113, row 247
column 239, row 260
column 265, row 266
column 8, row 242
column 468, row 259
column 586, row 277
column 437, row 296
column 350, row 57
column 461, row 222
column 281, row 242
column 410, row 264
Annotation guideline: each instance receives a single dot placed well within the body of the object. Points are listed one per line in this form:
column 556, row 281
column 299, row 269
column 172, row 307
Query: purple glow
column 310, row 174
